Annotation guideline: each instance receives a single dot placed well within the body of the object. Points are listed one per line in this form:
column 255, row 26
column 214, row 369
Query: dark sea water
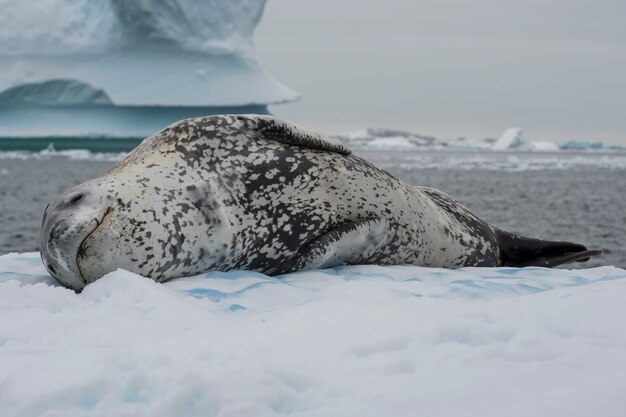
column 557, row 197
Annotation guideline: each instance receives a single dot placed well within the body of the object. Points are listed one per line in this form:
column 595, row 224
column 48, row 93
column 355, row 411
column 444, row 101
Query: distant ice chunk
column 579, row 145
column 54, row 93
column 387, row 139
column 513, row 139
column 396, row 140
column 103, row 121
column 543, row 146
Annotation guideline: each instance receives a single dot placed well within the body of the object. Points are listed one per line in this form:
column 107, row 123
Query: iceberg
column 146, row 55
column 54, row 93
column 396, row 140
column 579, row 145
column 349, row 341
column 513, row 139
column 543, row 146
column 386, row 139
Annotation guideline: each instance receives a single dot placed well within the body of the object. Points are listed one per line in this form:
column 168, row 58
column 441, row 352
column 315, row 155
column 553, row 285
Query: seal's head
column 67, row 222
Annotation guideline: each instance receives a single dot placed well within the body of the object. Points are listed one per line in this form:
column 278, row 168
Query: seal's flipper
column 279, row 130
column 519, row 251
column 349, row 244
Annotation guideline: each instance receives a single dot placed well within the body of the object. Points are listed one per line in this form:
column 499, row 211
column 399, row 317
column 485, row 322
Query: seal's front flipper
column 359, row 242
column 272, row 128
column 519, row 251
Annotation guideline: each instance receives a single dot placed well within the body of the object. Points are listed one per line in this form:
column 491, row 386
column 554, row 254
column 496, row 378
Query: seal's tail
column 521, row 251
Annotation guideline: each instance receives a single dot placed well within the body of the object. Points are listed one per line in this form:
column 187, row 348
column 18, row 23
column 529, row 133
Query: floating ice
column 387, row 139
column 149, row 58
column 512, row 140
column 579, row 145
column 71, row 154
column 54, row 93
column 140, row 53
column 349, row 341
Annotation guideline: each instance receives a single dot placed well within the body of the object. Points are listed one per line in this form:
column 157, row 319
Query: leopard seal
column 258, row 193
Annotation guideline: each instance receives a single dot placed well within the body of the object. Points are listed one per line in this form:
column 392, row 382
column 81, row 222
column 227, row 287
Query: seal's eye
column 76, row 198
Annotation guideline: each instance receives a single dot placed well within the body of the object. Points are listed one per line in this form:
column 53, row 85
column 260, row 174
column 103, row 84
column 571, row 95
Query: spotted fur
column 255, row 193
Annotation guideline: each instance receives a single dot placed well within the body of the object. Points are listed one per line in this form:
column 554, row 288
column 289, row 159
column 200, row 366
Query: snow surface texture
column 139, row 53
column 350, row 341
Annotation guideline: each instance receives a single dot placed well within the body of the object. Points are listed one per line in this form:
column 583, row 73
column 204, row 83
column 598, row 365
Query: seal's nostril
column 51, row 269
column 76, row 198
column 57, row 230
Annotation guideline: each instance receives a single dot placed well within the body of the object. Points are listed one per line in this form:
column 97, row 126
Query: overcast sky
column 450, row 68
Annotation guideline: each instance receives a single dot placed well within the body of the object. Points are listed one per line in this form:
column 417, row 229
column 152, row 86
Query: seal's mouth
column 81, row 252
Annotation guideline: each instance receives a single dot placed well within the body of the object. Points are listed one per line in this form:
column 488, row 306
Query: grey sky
column 556, row 68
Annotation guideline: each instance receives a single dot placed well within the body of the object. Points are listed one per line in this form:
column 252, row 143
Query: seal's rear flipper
column 519, row 251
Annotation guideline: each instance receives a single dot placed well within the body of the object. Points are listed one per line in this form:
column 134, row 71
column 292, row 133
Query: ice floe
column 350, row 341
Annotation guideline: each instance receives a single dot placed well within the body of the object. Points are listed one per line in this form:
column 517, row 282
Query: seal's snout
column 58, row 251
column 57, row 230
column 67, row 221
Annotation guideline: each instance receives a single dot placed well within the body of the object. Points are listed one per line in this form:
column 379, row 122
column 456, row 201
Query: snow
column 349, row 341
column 140, row 53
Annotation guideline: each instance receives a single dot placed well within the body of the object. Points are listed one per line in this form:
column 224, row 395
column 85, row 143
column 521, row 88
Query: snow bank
column 350, row 341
